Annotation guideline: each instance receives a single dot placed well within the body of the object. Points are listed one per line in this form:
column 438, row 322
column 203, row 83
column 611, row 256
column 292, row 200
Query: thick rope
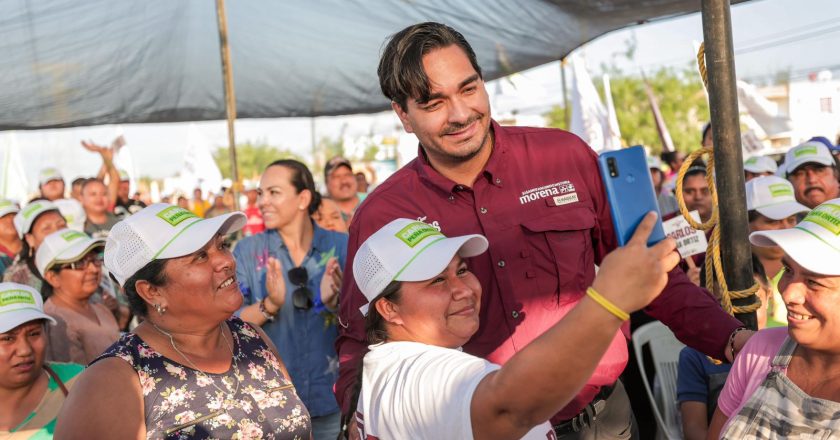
column 714, row 266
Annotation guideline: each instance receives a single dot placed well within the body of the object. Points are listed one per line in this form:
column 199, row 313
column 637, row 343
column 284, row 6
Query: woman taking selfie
column 188, row 370
column 424, row 304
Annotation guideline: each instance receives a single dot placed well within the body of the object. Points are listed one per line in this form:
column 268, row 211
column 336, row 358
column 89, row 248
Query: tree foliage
column 681, row 100
column 252, row 158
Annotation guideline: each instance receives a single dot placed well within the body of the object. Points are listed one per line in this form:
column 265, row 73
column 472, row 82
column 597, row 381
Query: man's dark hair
column 301, row 179
column 78, row 181
column 90, row 181
column 401, row 74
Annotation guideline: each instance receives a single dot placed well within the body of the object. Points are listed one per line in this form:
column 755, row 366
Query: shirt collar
column 493, row 170
column 320, row 238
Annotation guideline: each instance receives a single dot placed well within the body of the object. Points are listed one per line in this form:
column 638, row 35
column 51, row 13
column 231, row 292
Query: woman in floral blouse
column 189, row 370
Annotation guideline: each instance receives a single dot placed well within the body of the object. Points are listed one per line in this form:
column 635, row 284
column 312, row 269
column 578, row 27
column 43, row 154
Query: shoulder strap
column 57, row 380
column 782, row 358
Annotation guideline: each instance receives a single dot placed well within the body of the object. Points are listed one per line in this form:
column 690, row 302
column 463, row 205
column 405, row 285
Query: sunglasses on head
column 302, row 296
column 94, row 258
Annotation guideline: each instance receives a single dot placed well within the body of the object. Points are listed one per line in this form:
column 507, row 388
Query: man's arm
column 689, row 311
column 351, row 344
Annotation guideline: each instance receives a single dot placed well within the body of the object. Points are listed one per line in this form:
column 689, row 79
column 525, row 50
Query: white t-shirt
column 419, row 391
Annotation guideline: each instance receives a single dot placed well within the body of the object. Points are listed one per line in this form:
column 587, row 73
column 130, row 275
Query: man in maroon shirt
column 537, row 195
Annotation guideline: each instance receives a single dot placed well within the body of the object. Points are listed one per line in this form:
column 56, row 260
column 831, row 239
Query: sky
column 800, row 36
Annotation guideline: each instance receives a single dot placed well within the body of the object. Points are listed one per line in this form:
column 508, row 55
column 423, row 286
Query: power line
column 788, row 40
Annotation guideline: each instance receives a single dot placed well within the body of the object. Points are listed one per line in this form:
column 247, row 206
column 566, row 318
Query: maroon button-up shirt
column 540, row 202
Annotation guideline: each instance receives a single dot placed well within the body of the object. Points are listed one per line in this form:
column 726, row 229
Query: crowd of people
column 439, row 304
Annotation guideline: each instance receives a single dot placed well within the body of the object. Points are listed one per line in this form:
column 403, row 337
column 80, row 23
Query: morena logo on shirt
column 551, row 190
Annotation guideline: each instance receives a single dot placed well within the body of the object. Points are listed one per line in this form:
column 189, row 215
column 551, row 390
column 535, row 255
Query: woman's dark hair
column 154, row 274
column 374, row 322
column 401, row 73
column 301, row 179
column 27, row 254
column 752, row 215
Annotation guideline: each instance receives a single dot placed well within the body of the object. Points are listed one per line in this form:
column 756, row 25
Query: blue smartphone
column 630, row 192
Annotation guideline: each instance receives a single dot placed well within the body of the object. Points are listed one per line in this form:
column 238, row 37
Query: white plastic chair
column 665, row 349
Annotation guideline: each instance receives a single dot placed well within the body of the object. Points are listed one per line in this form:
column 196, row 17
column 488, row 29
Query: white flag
column 13, row 182
column 589, row 117
column 613, row 141
column 762, row 110
column 200, row 170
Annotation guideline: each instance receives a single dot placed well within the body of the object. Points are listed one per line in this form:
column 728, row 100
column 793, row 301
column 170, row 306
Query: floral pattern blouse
column 183, row 403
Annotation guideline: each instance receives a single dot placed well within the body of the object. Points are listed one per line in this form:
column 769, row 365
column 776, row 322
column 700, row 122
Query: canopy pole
column 230, row 99
column 566, row 110
column 729, row 172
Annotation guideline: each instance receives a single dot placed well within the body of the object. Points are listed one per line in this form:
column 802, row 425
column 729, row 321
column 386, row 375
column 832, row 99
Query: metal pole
column 729, row 172
column 230, row 98
column 566, row 110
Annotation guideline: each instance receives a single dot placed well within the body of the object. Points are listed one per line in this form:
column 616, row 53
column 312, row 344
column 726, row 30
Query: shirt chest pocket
column 557, row 250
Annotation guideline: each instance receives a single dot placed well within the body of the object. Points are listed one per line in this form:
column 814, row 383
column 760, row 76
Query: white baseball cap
column 8, row 207
column 814, row 243
column 64, row 246
column 26, row 217
column 20, row 304
column 161, row 231
column 73, row 213
column 773, row 197
column 807, row 152
column 407, row 250
column 48, row 174
column 760, row 164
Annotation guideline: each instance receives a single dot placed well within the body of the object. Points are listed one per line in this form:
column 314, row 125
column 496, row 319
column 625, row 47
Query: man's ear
column 403, row 115
column 389, row 311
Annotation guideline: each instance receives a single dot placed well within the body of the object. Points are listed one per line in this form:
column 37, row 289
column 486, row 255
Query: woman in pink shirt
column 785, row 383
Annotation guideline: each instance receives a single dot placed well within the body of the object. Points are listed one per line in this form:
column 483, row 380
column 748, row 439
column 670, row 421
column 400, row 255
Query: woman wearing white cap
column 785, row 382
column 771, row 205
column 33, row 223
column 10, row 243
column 71, row 264
column 188, row 370
column 424, row 303
column 31, row 390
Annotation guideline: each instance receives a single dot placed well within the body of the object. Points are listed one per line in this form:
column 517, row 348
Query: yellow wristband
column 605, row 303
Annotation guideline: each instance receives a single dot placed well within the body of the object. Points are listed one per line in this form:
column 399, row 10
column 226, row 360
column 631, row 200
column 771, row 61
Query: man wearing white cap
column 759, row 166
column 784, row 383
column 51, row 184
column 812, row 170
column 10, row 242
column 771, row 205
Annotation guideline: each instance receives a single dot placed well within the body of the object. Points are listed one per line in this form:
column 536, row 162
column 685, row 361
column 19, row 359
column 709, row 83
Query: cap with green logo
column 760, row 165
column 161, row 231
column 407, row 250
column 772, row 197
column 8, row 207
column 26, row 217
column 64, row 246
column 20, row 304
column 814, row 243
column 808, row 152
column 48, row 174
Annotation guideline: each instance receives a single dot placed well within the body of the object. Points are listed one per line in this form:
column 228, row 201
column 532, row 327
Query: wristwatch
column 266, row 315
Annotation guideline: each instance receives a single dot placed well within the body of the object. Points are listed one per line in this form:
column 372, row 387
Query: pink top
column 750, row 369
column 76, row 338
